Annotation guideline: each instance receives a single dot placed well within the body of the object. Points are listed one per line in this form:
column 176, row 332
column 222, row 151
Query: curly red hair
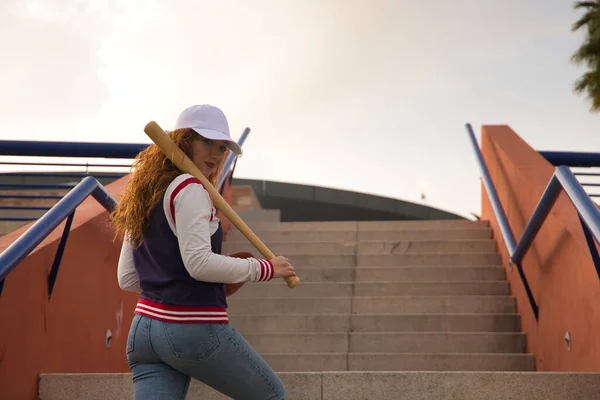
column 151, row 174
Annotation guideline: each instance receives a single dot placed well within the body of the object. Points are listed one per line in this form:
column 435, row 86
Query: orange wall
column 67, row 332
column 558, row 266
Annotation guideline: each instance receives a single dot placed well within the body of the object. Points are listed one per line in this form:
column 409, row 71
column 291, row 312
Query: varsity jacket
column 178, row 269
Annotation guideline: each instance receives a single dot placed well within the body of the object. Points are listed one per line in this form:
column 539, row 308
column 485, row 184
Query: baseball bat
column 182, row 161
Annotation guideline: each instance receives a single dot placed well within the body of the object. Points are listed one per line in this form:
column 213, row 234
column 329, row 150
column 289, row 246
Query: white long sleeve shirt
column 191, row 217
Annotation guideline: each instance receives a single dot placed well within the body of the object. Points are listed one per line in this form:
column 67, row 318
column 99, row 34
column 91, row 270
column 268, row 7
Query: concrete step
column 261, row 215
column 421, row 224
column 367, row 225
column 399, row 362
column 7, row 227
column 440, row 362
column 357, row 385
column 434, row 305
column 295, row 236
column 392, row 260
column 435, row 342
column 386, row 274
column 22, row 213
column 449, row 273
column 329, row 235
column 388, row 342
column 253, row 324
column 427, row 246
column 399, row 288
column 428, row 259
column 425, row 234
column 372, row 305
column 431, row 288
column 285, row 305
column 372, row 247
column 455, row 385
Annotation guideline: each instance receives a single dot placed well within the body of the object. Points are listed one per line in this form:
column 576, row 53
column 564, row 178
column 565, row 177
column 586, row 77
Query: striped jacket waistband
column 182, row 314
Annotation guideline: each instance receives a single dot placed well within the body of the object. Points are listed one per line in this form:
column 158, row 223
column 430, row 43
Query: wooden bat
column 182, row 161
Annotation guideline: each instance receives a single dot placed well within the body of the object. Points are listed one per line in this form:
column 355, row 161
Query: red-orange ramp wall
column 558, row 266
column 67, row 333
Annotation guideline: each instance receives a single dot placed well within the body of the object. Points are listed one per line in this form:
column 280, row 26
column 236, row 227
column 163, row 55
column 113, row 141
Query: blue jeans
column 164, row 355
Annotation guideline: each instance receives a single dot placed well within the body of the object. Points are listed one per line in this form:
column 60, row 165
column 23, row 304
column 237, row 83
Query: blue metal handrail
column 572, row 158
column 60, row 174
column 49, row 164
column 586, row 174
column 562, row 179
column 20, row 248
column 66, row 149
column 70, row 149
column 507, row 235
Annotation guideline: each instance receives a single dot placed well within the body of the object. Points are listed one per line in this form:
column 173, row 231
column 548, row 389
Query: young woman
column 171, row 255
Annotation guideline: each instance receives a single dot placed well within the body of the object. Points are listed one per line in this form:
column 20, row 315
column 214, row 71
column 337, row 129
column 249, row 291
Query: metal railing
column 66, row 206
column 63, row 209
column 563, row 179
column 576, row 161
column 231, row 158
column 572, row 158
column 70, row 150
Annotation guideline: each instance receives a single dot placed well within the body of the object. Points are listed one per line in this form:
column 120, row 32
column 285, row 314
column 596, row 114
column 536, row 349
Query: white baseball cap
column 209, row 122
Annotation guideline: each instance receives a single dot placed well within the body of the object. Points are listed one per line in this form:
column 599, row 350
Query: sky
column 364, row 95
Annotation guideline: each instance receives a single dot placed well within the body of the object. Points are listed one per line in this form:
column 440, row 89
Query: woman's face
column 207, row 154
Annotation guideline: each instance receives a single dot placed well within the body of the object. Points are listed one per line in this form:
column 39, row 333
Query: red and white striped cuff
column 181, row 314
column 266, row 270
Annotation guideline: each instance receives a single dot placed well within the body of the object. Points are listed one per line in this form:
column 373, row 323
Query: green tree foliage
column 588, row 53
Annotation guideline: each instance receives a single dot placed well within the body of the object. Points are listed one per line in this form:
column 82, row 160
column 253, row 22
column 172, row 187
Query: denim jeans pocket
column 132, row 331
column 192, row 341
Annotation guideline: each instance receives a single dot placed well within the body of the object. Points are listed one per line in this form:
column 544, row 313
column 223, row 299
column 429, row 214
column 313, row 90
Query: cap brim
column 216, row 135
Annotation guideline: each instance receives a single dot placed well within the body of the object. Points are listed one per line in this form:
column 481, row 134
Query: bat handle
column 292, row 281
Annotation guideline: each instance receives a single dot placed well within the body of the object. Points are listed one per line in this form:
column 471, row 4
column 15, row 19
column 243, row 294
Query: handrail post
column 537, row 219
column 104, row 198
column 580, row 199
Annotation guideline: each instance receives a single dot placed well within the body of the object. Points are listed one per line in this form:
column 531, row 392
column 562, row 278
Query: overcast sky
column 364, row 95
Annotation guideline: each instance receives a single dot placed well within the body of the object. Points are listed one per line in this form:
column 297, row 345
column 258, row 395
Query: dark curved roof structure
column 313, row 203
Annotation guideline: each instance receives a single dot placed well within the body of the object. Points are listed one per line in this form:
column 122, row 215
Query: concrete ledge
column 460, row 385
column 357, row 386
column 301, row 386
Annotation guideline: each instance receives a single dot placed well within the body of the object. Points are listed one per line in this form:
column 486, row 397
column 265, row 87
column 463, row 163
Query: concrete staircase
column 383, row 304
column 385, row 310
